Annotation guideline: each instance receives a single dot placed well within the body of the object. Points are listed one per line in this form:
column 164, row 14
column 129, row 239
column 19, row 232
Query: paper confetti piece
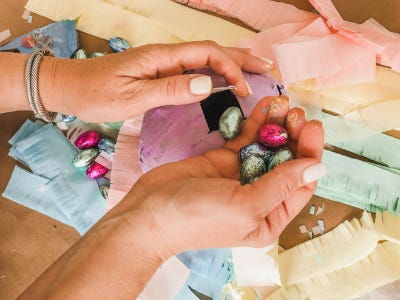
column 316, row 230
column 30, row 19
column 312, row 210
column 310, row 234
column 26, row 14
column 321, row 225
column 5, row 35
column 303, row 229
column 320, row 209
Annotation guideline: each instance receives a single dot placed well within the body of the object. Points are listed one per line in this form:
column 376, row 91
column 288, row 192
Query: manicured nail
column 314, row 173
column 201, row 85
column 270, row 63
column 249, row 88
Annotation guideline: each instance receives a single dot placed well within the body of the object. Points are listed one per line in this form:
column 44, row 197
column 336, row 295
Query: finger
column 173, row 90
column 271, row 189
column 276, row 221
column 278, row 111
column 295, row 121
column 251, row 126
column 244, row 50
column 166, row 60
column 248, row 62
column 311, row 140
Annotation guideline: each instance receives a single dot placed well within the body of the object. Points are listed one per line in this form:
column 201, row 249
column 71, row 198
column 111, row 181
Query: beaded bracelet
column 32, row 87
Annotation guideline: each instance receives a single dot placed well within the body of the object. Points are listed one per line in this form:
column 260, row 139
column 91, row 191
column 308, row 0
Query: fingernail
column 249, row 88
column 201, row 85
column 314, row 173
column 278, row 104
column 270, row 63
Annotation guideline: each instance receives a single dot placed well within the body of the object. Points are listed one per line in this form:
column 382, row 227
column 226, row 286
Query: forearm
column 114, row 260
column 12, row 82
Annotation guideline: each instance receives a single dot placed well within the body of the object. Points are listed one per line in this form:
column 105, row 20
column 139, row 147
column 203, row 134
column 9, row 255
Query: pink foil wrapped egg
column 28, row 41
column 96, row 170
column 88, row 139
column 273, row 135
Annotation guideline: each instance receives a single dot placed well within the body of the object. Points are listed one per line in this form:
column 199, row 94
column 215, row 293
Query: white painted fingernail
column 267, row 60
column 201, row 85
column 314, row 173
column 249, row 88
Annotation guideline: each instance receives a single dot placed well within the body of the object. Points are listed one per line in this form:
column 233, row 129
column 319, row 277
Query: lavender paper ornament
column 172, row 133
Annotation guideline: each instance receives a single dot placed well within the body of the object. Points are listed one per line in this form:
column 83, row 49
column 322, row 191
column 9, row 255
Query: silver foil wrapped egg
column 85, row 157
column 107, row 145
column 79, row 54
column 258, row 150
column 253, row 167
column 279, row 157
column 118, row 44
column 273, row 135
column 230, row 122
column 95, row 54
column 67, row 118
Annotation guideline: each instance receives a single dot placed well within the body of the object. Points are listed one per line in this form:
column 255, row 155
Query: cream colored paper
column 153, row 21
column 381, row 267
column 335, row 265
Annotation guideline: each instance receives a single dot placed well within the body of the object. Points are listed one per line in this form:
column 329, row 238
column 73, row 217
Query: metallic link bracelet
column 32, row 88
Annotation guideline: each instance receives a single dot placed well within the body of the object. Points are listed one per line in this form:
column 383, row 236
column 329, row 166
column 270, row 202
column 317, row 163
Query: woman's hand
column 200, row 203
column 118, row 86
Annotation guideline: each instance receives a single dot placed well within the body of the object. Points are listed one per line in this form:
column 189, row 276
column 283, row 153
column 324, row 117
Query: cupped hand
column 119, row 86
column 200, row 203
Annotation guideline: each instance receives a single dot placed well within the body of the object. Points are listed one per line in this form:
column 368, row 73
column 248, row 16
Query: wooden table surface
column 30, row 242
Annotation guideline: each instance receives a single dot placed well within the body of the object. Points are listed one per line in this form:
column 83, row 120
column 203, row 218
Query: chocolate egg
column 85, row 157
column 95, row 54
column 44, row 42
column 258, row 150
column 118, row 44
column 67, row 118
column 273, row 135
column 253, row 167
column 279, row 157
column 96, row 170
column 28, row 41
column 87, row 139
column 107, row 145
column 79, row 54
column 230, row 122
column 104, row 191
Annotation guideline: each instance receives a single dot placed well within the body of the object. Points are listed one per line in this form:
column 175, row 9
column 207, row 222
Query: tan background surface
column 30, row 242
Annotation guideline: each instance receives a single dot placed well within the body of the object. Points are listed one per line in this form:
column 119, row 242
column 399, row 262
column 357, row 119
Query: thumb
column 176, row 90
column 282, row 182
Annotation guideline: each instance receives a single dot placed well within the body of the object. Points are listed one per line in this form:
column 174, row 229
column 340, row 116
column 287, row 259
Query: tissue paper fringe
column 381, row 267
column 359, row 184
column 349, row 251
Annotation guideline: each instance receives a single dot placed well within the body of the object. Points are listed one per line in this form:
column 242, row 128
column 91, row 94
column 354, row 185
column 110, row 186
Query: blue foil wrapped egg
column 118, row 44
column 79, row 54
column 67, row 118
column 258, row 150
column 107, row 145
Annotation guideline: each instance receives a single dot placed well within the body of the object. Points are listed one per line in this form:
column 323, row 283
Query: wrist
column 53, row 78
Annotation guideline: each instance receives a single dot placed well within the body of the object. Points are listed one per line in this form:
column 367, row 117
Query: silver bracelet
column 32, row 87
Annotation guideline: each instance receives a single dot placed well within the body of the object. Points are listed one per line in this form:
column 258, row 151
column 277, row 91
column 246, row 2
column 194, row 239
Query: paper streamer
column 5, row 35
column 164, row 21
column 349, row 256
column 258, row 14
column 359, row 184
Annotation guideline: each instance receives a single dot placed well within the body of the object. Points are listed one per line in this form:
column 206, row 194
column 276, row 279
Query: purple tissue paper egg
column 96, row 170
column 175, row 132
column 273, row 135
column 88, row 139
